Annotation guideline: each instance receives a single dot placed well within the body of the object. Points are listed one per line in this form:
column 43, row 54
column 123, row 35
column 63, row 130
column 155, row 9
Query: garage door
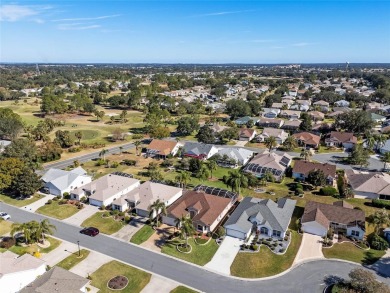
column 312, row 229
column 235, row 233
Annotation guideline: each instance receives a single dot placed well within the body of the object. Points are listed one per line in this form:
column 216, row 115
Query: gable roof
column 197, row 148
column 238, row 154
column 343, row 137
column 247, row 132
column 164, row 147
column 326, row 213
column 373, row 182
column 304, row 167
column 307, row 138
column 263, row 211
column 209, row 206
column 63, row 179
column 263, row 121
column 56, row 280
column 13, row 263
column 278, row 133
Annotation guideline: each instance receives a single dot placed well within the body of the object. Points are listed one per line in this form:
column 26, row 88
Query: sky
column 125, row 31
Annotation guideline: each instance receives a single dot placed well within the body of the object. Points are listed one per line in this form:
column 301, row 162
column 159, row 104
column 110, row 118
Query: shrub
column 129, row 162
column 114, row 164
column 106, row 214
column 220, row 231
column 381, row 203
column 49, row 201
column 55, row 198
column 63, row 201
column 298, row 186
column 66, row 195
column 100, row 162
column 378, row 243
column 102, row 207
column 127, row 219
column 281, row 250
column 285, row 238
column 80, row 206
column 114, row 212
column 137, row 136
column 298, row 191
column 74, row 149
column 255, row 247
column 328, row 190
column 121, row 214
column 7, row 242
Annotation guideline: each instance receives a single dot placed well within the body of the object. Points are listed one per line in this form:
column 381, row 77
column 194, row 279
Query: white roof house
column 18, row 271
column 240, row 155
column 58, row 181
column 4, row 144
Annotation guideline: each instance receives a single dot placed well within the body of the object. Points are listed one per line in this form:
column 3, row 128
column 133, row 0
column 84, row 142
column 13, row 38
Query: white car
column 5, row 216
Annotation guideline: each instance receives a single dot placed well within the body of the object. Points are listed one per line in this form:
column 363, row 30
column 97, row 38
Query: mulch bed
column 118, row 283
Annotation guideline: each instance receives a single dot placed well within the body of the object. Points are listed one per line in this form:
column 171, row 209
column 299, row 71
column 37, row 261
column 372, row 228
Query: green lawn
column 5, row 227
column 142, row 235
column 58, row 211
column 19, row 203
column 105, row 225
column 137, row 279
column 73, row 259
column 182, row 289
column 54, row 243
column 265, row 263
column 348, row 251
column 200, row 254
column 87, row 134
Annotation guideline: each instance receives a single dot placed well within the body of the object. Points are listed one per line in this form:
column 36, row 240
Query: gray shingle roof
column 196, row 148
column 238, row 154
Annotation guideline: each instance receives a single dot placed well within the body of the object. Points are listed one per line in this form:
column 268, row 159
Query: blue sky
column 195, row 31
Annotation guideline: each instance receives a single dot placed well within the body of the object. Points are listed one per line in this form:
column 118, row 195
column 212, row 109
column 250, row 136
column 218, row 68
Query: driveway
column 240, row 143
column 160, row 284
column 311, row 248
column 129, row 230
column 93, row 261
column 82, row 215
column 225, row 255
column 37, row 204
column 55, row 256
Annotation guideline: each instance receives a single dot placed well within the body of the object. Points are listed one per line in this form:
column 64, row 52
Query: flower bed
column 184, row 248
column 118, row 283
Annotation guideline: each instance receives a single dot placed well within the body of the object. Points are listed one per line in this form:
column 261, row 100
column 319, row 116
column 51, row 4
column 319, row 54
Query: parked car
column 4, row 216
column 90, row 231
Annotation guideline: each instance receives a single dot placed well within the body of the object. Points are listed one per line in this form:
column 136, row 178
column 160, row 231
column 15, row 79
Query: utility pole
column 78, row 244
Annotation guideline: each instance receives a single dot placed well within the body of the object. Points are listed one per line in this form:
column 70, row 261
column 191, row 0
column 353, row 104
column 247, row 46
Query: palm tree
column 290, row 143
column 306, row 154
column 370, row 142
column 156, row 209
column 24, row 228
column 186, row 227
column 380, row 141
column 123, row 115
column 385, row 159
column 270, row 142
column 203, row 173
column 137, row 143
column 103, row 154
column 212, row 166
column 45, row 228
column 236, row 180
column 183, row 177
column 380, row 218
column 79, row 136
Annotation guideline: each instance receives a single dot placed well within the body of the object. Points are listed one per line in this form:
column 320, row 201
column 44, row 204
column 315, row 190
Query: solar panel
column 285, row 161
column 217, row 191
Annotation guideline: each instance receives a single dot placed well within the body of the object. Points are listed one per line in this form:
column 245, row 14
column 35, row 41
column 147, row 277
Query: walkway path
column 311, row 248
column 37, row 204
column 82, row 215
column 55, row 256
column 225, row 255
column 129, row 230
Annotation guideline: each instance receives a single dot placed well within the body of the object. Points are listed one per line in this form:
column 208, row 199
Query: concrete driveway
column 160, row 284
column 311, row 248
column 225, row 255
column 94, row 261
column 37, row 204
column 129, row 230
column 64, row 250
column 82, row 215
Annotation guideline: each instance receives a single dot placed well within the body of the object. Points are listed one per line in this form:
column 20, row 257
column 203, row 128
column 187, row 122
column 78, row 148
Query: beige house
column 279, row 134
column 374, row 185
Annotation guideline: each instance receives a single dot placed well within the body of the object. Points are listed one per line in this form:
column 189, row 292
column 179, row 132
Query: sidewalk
column 82, row 215
column 37, row 204
column 160, row 284
column 55, row 256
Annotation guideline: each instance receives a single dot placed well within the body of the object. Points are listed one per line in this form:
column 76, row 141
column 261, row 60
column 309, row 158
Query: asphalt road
column 309, row 277
column 84, row 158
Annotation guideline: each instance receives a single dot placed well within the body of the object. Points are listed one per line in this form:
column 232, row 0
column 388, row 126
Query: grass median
column 73, row 259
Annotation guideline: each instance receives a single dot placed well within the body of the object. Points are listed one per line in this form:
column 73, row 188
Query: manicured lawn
column 348, row 251
column 182, row 289
column 54, row 243
column 73, row 259
column 105, row 225
column 86, row 134
column 5, row 227
column 58, row 211
column 265, row 263
column 142, row 235
column 200, row 254
column 137, row 279
column 19, row 203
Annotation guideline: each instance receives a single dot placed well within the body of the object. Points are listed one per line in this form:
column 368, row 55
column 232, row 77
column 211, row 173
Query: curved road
column 307, row 277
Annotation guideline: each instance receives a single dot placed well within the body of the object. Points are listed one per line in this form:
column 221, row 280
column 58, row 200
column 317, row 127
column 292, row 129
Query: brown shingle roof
column 209, row 206
column 246, row 132
column 304, row 167
column 307, row 138
column 343, row 203
column 343, row 136
column 322, row 213
column 164, row 147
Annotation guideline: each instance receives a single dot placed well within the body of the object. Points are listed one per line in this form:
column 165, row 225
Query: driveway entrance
column 311, row 248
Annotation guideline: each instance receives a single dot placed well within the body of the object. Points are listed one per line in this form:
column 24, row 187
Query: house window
column 264, row 230
column 276, row 233
column 200, row 228
column 355, row 233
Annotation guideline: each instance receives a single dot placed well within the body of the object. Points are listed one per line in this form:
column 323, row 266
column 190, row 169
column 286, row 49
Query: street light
column 78, row 244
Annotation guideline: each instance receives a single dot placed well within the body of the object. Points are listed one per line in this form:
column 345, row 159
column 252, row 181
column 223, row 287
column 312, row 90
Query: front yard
column 200, row 254
column 19, row 249
column 73, row 259
column 142, row 234
column 348, row 251
column 137, row 279
column 265, row 263
column 19, row 202
column 182, row 289
column 105, row 225
column 5, row 227
column 58, row 211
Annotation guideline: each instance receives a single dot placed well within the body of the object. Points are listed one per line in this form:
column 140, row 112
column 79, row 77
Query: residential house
column 374, row 106
column 17, row 271
column 247, row 134
column 245, row 120
column 307, row 139
column 206, row 210
column 218, row 128
column 371, row 185
column 199, row 150
column 292, row 125
column 290, row 114
column 240, row 155
column 318, row 218
column 263, row 216
column 57, row 280
column 279, row 105
column 57, row 181
column 106, row 189
column 341, row 139
column 322, row 106
column 386, row 147
column 288, row 97
column 288, row 102
column 162, row 148
column 141, row 197
column 341, row 103
column 4, row 144
column 270, row 112
column 316, row 115
column 386, row 234
column 376, row 118
column 279, row 134
column 302, row 169
column 269, row 162
column 270, row 122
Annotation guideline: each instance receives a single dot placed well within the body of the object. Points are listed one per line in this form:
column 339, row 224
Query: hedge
column 379, row 203
column 328, row 190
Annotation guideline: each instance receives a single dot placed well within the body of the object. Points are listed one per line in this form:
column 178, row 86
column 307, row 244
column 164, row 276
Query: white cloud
column 77, row 26
column 19, row 12
column 87, row 18
column 222, row 13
